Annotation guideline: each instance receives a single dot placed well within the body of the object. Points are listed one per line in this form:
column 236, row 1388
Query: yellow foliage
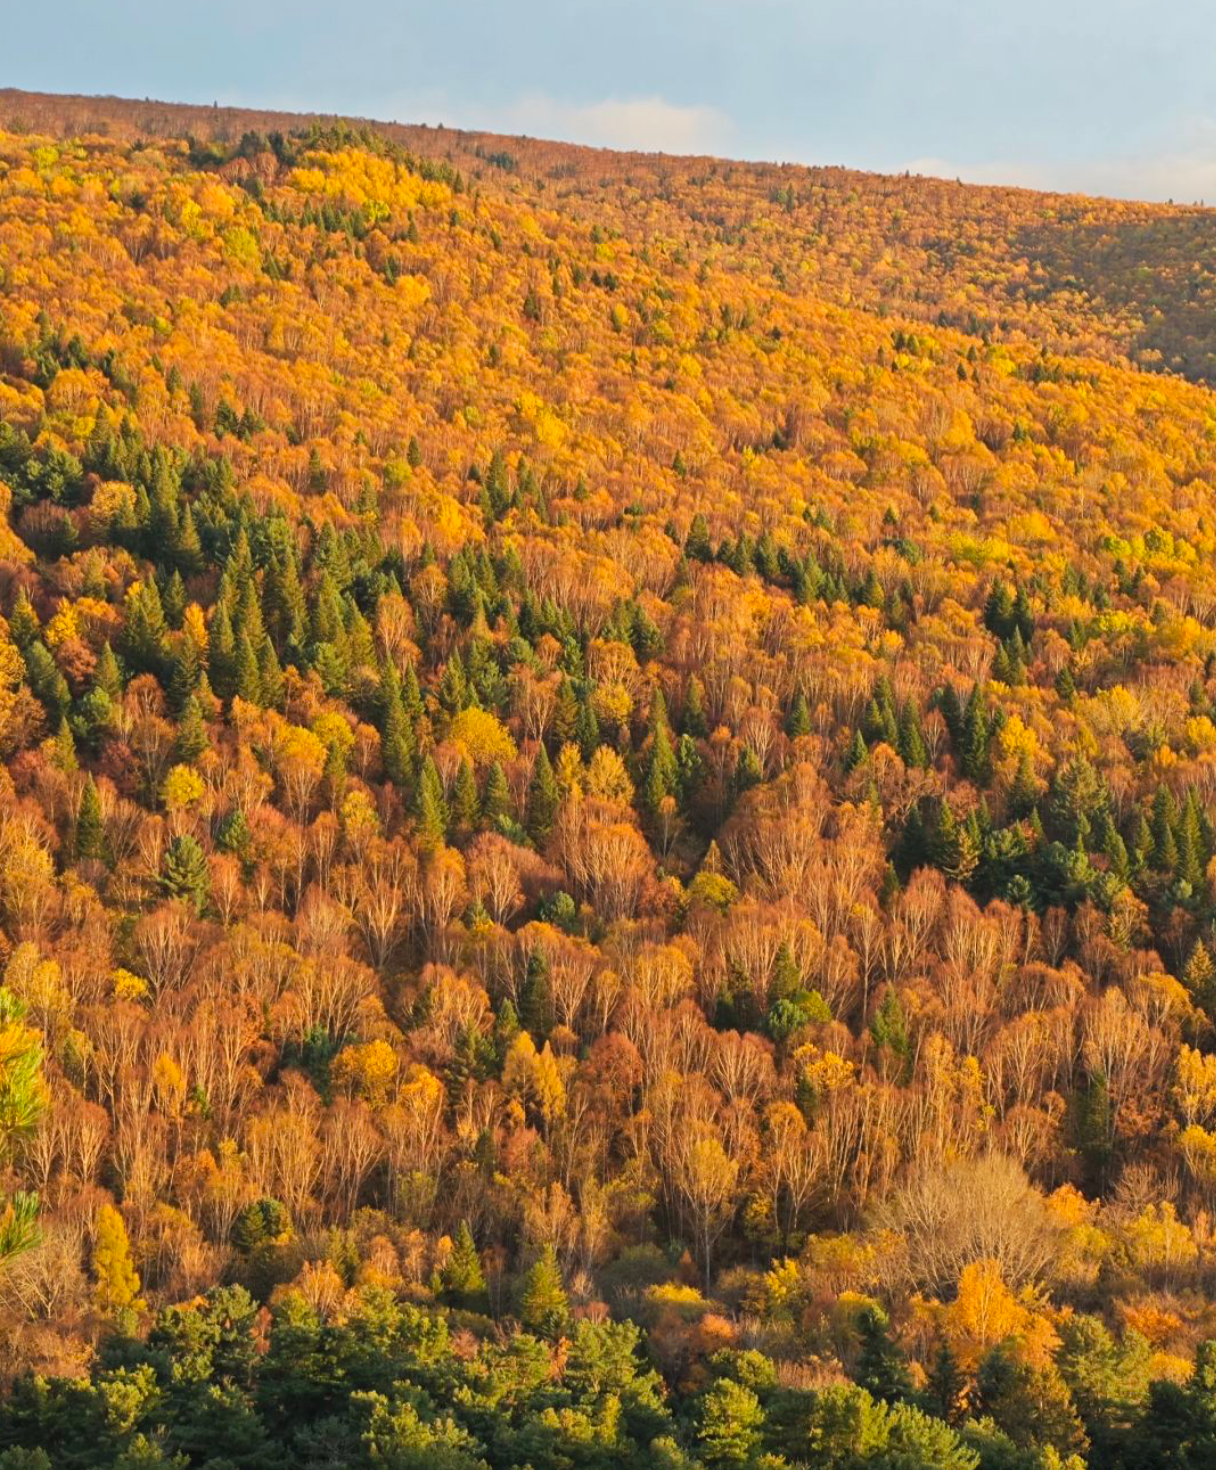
column 182, row 787
column 117, row 1282
column 985, row 1312
column 482, row 737
column 607, row 777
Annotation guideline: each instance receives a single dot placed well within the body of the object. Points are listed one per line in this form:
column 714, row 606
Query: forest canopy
column 606, row 840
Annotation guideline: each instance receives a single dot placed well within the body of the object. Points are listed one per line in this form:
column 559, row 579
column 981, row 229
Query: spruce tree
column 543, row 1305
column 465, row 802
column 544, row 798
column 430, row 807
column 462, row 1281
column 184, row 872
column 90, row 839
column 692, row 718
column 496, row 798
column 396, row 734
column 881, row 1368
column 191, row 740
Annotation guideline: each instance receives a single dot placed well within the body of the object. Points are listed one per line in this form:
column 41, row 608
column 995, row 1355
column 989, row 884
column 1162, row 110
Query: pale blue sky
column 1109, row 96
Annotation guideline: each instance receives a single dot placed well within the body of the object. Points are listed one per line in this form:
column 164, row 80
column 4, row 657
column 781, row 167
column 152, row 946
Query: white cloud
column 646, row 124
column 1184, row 172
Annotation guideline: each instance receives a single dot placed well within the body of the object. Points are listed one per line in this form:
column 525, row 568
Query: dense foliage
column 601, row 846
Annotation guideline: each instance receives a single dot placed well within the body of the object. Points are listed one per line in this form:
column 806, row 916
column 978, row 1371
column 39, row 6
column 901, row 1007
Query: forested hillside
column 608, row 811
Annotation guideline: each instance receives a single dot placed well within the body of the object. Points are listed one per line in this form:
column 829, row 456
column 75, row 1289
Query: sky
column 1113, row 97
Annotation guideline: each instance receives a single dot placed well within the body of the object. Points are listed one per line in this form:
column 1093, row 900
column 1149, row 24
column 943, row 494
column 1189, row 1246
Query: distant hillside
column 1067, row 271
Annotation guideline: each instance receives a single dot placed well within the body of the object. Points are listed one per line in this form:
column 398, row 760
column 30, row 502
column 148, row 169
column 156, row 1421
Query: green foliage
column 184, row 872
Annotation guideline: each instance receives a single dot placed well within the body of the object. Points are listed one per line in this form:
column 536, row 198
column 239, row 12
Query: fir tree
column 544, row 798
column 881, row 1368
column 184, row 872
column 430, row 807
column 462, row 1282
column 465, row 804
column 90, row 839
column 496, row 798
column 396, row 734
column 191, row 740
column 692, row 717
column 543, row 1305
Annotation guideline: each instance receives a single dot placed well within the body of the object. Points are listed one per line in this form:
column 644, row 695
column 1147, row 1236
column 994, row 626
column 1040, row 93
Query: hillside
column 1065, row 272
column 607, row 840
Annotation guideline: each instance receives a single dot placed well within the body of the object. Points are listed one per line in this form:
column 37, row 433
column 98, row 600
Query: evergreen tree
column 692, row 718
column 662, row 774
column 911, row 743
column 184, row 872
column 535, row 998
column 945, row 1385
column 496, row 798
column 430, row 807
column 730, row 1426
column 248, row 677
column 544, row 798
column 975, row 737
column 881, row 1368
column 191, row 740
column 889, row 1028
column 462, row 1282
column 465, row 802
column 90, row 828
column 543, row 1305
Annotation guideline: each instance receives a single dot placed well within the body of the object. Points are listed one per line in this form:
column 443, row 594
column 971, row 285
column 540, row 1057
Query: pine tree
column 506, row 1029
column 65, row 748
column 889, row 1028
column 221, row 654
column 662, row 774
column 535, row 998
column 881, row 1368
column 1199, row 974
column 270, row 676
column 90, row 828
column 248, row 677
column 544, row 798
column 145, row 630
column 976, row 734
column 496, row 798
column 692, row 718
column 798, row 721
column 587, row 729
column 945, row 1385
column 1115, row 851
column 191, row 739
column 184, row 872
column 911, row 744
column 107, row 676
column 465, row 803
column 543, row 1304
column 462, row 1281
column 453, row 692
column 1164, row 856
column 1189, row 840
column 430, row 807
column 786, row 978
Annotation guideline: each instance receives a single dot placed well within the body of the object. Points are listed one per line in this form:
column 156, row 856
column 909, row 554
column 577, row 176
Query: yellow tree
column 117, row 1282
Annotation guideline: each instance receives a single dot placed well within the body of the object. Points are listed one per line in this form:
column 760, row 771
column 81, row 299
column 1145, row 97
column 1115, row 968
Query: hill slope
column 570, row 745
column 1064, row 271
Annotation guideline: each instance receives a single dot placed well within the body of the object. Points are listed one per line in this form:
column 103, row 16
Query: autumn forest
column 607, row 808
